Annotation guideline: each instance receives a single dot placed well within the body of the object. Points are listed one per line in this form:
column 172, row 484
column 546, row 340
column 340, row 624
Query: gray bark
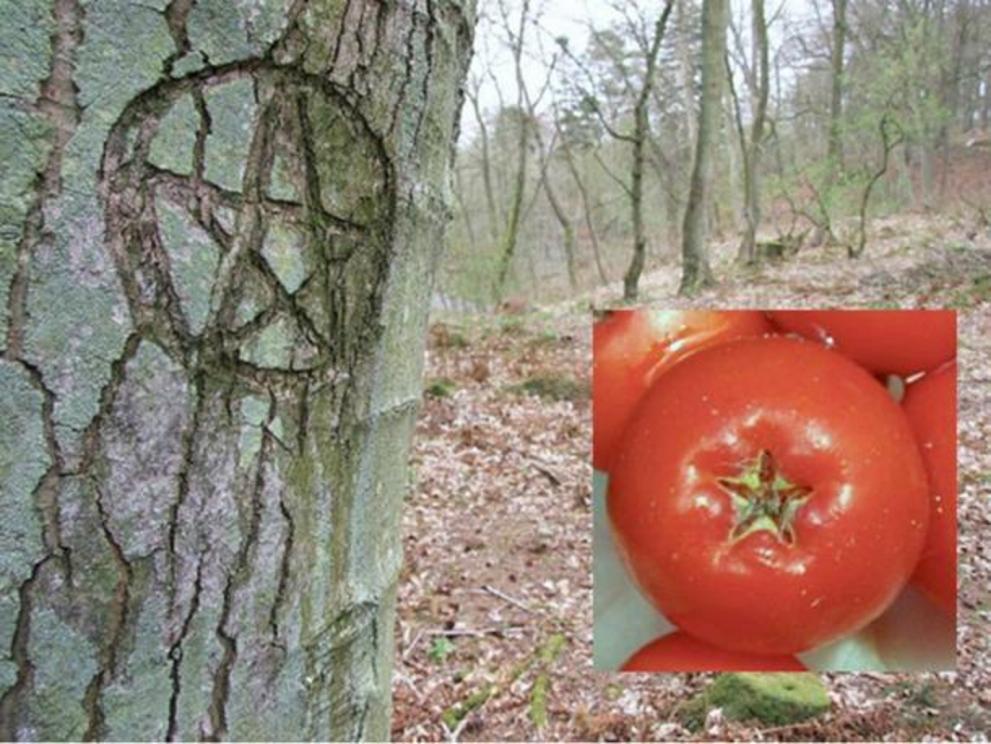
column 511, row 232
column 752, row 148
column 494, row 217
column 219, row 231
column 641, row 130
column 569, row 159
column 545, row 154
column 835, row 153
column 695, row 264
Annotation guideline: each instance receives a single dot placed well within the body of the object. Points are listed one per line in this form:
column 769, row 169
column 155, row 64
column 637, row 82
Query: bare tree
column 758, row 77
column 637, row 139
column 835, row 151
column 641, row 130
column 516, row 41
column 891, row 137
column 569, row 158
column 696, row 272
column 545, row 152
column 494, row 216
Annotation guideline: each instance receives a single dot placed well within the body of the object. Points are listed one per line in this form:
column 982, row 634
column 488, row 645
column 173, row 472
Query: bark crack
column 182, row 491
column 285, row 567
column 10, row 702
column 175, row 652
column 410, row 62
column 176, row 14
column 116, row 629
column 46, row 492
column 58, row 104
column 428, row 50
column 236, row 578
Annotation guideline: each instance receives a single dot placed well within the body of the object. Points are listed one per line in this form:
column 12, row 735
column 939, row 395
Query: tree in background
column 696, row 272
column 792, row 153
column 515, row 39
column 758, row 83
column 214, row 281
column 639, row 139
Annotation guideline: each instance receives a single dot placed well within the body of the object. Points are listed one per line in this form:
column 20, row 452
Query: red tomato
column 931, row 405
column 768, row 496
column 884, row 341
column 630, row 348
column 679, row 652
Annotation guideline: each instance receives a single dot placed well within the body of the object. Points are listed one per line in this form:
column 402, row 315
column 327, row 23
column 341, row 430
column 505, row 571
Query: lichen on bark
column 222, row 228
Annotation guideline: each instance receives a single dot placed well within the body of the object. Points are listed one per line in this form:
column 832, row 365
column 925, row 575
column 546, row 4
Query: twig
column 409, row 649
column 503, row 596
column 413, row 688
column 453, row 735
column 454, row 632
column 547, row 473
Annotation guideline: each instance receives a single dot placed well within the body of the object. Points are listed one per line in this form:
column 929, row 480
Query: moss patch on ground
column 552, row 387
column 440, row 387
column 776, row 698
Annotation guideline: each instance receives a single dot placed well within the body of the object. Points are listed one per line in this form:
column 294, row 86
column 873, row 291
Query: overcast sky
column 570, row 18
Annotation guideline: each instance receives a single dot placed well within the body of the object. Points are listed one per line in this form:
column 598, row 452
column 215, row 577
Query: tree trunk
column 569, row 158
column 512, row 229
column 686, row 68
column 494, row 216
column 545, row 153
column 695, row 264
column 835, row 151
column 641, row 131
column 214, row 319
column 752, row 148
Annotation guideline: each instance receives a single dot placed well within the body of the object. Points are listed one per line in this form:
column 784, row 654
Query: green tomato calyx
column 764, row 500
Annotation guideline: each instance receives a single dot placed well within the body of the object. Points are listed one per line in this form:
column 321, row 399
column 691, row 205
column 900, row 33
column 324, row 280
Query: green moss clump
column 453, row 715
column 770, row 697
column 441, row 387
column 542, row 684
column 552, row 387
column 538, row 700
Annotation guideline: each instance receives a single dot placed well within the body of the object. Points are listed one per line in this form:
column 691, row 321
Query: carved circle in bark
column 238, row 202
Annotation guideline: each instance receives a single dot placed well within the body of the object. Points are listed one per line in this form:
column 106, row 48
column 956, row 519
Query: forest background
column 849, row 167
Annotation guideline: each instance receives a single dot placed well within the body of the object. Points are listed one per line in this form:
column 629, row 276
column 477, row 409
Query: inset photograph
column 774, row 490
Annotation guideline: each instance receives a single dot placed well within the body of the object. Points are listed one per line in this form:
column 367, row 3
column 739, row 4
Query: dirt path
column 495, row 604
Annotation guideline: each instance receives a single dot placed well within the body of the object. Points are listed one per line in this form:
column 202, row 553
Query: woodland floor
column 495, row 604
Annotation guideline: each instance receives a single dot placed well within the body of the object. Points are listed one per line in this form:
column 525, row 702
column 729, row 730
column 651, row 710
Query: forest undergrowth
column 494, row 639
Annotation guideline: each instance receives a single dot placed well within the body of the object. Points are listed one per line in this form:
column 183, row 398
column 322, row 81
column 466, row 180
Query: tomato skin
column 884, row 341
column 632, row 347
column 830, row 427
column 931, row 406
column 679, row 652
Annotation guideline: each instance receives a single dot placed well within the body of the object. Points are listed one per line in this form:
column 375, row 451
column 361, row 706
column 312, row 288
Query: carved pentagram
column 238, row 202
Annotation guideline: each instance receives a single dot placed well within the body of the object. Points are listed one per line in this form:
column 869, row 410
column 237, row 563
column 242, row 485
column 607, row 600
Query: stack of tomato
column 766, row 491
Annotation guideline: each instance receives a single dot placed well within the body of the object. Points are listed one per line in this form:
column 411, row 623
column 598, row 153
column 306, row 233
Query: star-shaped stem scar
column 764, row 500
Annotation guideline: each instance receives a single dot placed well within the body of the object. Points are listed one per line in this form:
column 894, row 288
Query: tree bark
column 695, row 264
column 545, row 153
column 835, row 145
column 569, row 158
column 216, row 262
column 512, row 229
column 494, row 216
column 641, row 130
column 752, row 148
